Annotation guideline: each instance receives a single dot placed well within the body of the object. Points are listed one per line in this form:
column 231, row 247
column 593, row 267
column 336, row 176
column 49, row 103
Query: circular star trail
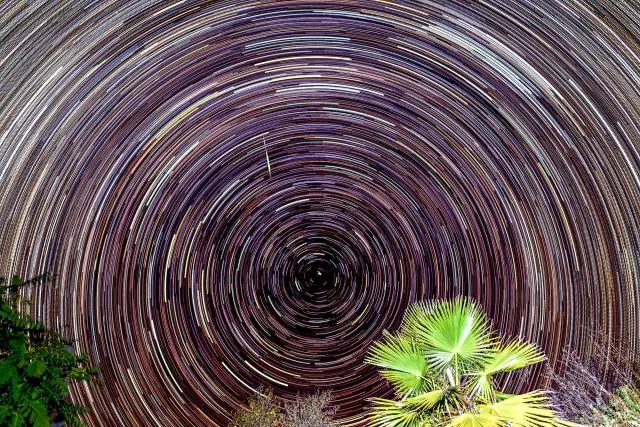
column 243, row 193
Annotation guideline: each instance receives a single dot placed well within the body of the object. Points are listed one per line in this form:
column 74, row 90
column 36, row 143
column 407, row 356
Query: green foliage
column 265, row 410
column 599, row 388
column 35, row 365
column 443, row 364
column 623, row 410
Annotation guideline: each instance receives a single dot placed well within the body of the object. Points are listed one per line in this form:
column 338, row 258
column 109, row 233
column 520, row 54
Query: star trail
column 244, row 193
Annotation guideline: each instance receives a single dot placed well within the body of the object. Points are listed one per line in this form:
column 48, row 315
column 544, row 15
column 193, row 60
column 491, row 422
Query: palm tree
column 442, row 365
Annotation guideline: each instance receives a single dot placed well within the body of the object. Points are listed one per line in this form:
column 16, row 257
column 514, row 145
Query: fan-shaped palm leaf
column 455, row 333
column 426, row 401
column 526, row 410
column 477, row 420
column 402, row 363
column 515, row 355
column 389, row 413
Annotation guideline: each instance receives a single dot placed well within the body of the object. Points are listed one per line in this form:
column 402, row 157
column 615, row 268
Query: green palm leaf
column 526, row 410
column 515, row 355
column 389, row 413
column 426, row 401
column 482, row 386
column 477, row 420
column 402, row 363
column 456, row 333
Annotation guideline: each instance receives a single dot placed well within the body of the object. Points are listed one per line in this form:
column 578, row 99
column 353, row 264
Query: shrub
column 35, row 365
column 312, row 410
column 598, row 389
column 265, row 410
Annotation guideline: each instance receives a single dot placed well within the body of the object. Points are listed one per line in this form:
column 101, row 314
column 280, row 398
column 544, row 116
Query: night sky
column 244, row 193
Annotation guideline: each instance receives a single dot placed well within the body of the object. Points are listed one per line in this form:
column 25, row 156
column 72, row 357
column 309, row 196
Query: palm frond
column 426, row 401
column 389, row 413
column 477, row 420
column 453, row 332
column 515, row 355
column 437, row 402
column 481, row 385
column 526, row 410
column 402, row 363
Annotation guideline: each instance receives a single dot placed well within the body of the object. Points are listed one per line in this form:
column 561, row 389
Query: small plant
column 598, row 389
column 622, row 410
column 265, row 410
column 313, row 410
column 35, row 365
column 443, row 364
